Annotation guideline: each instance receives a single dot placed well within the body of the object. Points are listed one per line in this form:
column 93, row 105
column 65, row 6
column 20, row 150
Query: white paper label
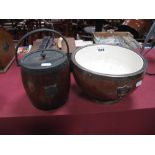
column 80, row 43
column 46, row 64
column 138, row 83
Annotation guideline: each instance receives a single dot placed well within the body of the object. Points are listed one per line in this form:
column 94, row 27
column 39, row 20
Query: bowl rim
column 143, row 69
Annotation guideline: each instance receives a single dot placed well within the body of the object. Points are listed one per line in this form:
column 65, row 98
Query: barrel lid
column 43, row 59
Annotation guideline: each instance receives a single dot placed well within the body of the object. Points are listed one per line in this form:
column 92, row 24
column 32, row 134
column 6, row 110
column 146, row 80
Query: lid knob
column 43, row 55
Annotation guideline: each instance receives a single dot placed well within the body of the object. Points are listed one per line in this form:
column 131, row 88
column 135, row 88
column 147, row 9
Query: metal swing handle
column 36, row 31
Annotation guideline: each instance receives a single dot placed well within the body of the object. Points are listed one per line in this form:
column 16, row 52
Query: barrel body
column 106, row 89
column 47, row 89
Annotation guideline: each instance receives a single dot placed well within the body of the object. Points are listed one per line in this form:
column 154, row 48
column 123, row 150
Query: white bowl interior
column 108, row 59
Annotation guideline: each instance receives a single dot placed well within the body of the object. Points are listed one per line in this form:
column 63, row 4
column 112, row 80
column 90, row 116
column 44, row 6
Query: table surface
column 15, row 103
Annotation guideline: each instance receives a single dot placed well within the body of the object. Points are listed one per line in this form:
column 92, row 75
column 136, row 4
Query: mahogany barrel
column 107, row 72
column 45, row 73
column 48, row 88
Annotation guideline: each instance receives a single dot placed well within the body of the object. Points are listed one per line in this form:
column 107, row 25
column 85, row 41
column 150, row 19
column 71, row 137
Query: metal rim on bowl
column 108, row 75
